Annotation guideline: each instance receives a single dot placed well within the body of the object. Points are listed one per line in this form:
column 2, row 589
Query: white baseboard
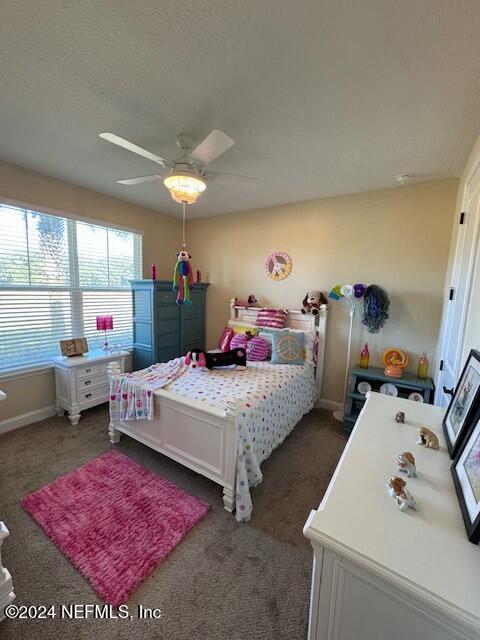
column 26, row 418
column 330, row 405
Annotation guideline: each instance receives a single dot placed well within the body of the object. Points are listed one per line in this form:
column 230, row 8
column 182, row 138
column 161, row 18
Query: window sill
column 33, row 370
column 25, row 372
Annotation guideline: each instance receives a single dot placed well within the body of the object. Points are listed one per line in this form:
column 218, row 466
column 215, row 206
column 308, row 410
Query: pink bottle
column 364, row 357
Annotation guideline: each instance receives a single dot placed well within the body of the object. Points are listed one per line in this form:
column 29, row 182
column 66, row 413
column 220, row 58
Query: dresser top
column 96, row 355
column 427, row 549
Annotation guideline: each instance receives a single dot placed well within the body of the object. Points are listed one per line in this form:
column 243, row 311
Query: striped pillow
column 239, row 340
column 276, row 318
column 258, row 349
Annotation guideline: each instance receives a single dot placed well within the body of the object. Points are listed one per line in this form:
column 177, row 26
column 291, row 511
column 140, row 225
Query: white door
column 457, row 303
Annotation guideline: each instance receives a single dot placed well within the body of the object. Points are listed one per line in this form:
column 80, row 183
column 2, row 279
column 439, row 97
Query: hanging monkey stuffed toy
column 183, row 277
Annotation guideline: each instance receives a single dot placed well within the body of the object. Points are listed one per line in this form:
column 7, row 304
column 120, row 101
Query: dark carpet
column 225, row 581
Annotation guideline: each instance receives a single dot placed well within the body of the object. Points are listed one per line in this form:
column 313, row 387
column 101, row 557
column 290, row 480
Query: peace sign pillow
column 287, row 347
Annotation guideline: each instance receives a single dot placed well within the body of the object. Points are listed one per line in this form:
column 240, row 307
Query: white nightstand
column 81, row 382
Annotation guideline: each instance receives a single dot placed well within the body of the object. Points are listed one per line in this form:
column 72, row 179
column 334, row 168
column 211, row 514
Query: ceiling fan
column 185, row 177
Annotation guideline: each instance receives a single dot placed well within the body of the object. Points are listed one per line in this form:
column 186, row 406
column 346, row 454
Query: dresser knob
column 87, row 382
column 88, row 395
column 87, row 370
column 449, row 392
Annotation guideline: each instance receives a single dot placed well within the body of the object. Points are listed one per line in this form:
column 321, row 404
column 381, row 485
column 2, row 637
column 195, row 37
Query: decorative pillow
column 244, row 328
column 258, row 349
column 239, row 340
column 276, row 318
column 287, row 347
column 225, row 339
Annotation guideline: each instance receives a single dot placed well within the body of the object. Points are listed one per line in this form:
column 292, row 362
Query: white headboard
column 296, row 320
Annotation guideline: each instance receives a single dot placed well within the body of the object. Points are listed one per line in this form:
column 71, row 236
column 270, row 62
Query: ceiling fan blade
column 231, row 180
column 125, row 144
column 140, row 180
column 212, row 146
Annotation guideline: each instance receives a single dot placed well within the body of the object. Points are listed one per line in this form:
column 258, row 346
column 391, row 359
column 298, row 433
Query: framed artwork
column 466, row 477
column 278, row 265
column 463, row 405
column 74, row 347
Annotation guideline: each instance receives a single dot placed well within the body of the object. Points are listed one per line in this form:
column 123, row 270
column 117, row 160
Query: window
column 56, row 275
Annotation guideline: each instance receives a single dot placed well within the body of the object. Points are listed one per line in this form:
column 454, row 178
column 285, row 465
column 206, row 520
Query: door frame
column 473, row 174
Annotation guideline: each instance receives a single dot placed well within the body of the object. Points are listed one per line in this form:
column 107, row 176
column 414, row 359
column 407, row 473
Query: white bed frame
column 203, row 438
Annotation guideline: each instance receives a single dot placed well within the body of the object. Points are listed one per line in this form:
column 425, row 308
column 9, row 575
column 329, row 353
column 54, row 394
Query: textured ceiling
column 322, row 97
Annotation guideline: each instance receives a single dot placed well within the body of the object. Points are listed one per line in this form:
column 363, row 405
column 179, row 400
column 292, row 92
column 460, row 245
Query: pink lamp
column 105, row 323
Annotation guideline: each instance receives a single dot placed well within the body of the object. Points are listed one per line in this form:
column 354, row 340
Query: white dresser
column 81, row 382
column 378, row 573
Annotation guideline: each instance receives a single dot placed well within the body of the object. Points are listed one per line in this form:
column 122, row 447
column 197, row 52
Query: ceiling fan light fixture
column 184, row 186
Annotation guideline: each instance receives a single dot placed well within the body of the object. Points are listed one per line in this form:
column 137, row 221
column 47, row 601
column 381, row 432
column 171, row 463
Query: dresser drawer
column 88, row 396
column 88, row 382
column 92, row 370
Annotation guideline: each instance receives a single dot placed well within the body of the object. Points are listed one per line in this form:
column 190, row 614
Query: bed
column 224, row 423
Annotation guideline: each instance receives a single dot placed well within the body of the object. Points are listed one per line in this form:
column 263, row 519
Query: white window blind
column 56, row 275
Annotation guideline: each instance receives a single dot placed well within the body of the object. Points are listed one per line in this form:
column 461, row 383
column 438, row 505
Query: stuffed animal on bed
column 313, row 301
column 183, row 277
column 197, row 358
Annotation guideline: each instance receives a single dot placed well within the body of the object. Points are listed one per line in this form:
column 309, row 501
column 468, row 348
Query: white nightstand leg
column 113, row 434
column 74, row 416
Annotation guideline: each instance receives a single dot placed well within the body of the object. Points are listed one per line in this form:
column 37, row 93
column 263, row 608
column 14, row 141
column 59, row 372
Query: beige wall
column 162, row 235
column 398, row 238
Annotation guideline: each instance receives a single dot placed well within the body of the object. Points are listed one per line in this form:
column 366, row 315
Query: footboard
column 198, row 437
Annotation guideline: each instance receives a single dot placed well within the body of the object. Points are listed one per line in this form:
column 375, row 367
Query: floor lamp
column 351, row 301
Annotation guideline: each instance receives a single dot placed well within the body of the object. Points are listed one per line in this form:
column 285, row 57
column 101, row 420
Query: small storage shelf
column 376, row 377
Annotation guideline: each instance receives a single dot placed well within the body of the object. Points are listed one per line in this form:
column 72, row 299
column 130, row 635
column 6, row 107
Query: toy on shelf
column 183, row 277
column 395, row 361
column 364, row 357
column 154, row 272
column 204, row 360
column 251, row 301
column 312, row 302
column 406, row 464
column 199, row 276
column 403, row 498
column 427, row 438
column 400, row 417
column 422, row 369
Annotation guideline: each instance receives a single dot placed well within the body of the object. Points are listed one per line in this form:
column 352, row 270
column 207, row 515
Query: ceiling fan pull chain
column 183, row 225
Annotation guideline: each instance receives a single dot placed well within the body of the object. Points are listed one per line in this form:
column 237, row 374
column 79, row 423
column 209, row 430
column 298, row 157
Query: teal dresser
column 163, row 330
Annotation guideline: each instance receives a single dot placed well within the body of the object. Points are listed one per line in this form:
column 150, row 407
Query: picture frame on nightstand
column 74, row 347
column 464, row 404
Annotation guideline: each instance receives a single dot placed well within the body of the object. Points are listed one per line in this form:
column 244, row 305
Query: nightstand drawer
column 91, row 381
column 92, row 395
column 92, row 370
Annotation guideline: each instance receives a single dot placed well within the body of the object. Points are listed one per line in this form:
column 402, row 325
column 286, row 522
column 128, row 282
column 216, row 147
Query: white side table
column 6, row 587
column 81, row 382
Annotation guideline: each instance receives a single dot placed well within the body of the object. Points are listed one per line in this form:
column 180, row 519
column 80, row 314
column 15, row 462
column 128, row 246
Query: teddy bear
column 313, row 301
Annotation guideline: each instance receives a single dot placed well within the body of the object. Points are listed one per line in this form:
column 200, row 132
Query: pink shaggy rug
column 115, row 521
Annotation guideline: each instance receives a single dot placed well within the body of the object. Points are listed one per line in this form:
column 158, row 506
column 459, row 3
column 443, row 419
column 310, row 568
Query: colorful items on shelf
column 427, row 438
column 205, row 360
column 364, row 357
column 199, row 276
column 398, row 490
column 183, row 277
column 312, row 302
column 406, row 464
column 422, row 369
column 154, row 271
column 395, row 361
column 251, row 301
